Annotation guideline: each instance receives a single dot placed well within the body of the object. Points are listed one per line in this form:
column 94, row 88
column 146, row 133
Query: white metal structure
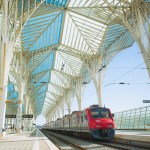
column 51, row 48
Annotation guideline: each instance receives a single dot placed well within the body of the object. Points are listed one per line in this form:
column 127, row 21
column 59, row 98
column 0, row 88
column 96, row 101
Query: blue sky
column 120, row 97
column 123, row 97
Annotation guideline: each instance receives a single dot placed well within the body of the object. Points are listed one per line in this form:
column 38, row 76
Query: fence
column 134, row 119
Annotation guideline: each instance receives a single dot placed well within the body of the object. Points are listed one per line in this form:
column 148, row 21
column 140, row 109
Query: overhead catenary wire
column 128, row 83
column 122, row 83
column 117, row 67
column 126, row 73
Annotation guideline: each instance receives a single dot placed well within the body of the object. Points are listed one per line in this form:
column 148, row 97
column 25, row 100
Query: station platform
column 135, row 135
column 26, row 140
column 36, row 140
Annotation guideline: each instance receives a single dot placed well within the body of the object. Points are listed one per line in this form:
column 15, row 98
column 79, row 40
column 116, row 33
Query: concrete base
column 2, row 135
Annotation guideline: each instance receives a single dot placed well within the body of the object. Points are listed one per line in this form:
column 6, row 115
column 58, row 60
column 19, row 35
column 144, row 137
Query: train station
column 74, row 74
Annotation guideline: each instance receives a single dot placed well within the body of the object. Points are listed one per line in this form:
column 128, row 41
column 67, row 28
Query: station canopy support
column 48, row 48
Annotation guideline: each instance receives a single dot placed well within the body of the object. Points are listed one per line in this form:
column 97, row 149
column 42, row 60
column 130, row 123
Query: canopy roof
column 56, row 39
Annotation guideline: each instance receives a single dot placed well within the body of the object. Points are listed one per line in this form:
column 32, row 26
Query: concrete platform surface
column 135, row 135
column 27, row 141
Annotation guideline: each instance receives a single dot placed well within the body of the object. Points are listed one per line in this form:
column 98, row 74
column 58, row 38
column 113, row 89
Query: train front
column 101, row 122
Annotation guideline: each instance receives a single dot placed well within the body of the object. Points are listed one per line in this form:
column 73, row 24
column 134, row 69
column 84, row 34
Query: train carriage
column 58, row 123
column 75, row 120
column 95, row 121
column 66, row 121
column 101, row 123
column 84, row 122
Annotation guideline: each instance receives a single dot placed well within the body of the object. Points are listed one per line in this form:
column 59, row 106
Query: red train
column 96, row 122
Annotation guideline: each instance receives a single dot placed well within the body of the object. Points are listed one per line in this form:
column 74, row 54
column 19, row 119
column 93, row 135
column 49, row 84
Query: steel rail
column 47, row 134
column 117, row 143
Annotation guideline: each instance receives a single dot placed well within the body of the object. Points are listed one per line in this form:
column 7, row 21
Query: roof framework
column 57, row 38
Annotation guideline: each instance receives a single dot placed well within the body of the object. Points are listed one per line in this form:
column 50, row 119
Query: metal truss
column 58, row 47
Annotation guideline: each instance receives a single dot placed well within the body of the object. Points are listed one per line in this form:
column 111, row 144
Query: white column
column 93, row 67
column 50, row 118
column 139, row 27
column 62, row 108
column 2, row 109
column 97, row 83
column 68, row 100
column 3, row 76
column 19, row 117
column 78, row 92
column 58, row 113
column 6, row 54
column 28, row 110
column 26, row 104
column 21, row 87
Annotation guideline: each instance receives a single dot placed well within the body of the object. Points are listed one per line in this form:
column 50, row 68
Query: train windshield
column 100, row 113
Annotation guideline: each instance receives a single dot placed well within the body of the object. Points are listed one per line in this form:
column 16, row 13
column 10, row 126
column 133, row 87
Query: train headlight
column 97, row 120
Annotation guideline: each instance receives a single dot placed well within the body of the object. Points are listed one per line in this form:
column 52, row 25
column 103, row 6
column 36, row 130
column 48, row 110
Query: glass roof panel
column 61, row 3
column 10, row 87
column 14, row 96
column 57, row 41
column 42, row 31
column 57, row 2
column 40, row 98
column 47, row 64
column 117, row 34
column 43, row 89
column 11, row 93
column 82, row 33
column 43, row 79
column 87, row 3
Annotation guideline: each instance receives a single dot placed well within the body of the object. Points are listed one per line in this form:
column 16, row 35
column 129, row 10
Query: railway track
column 136, row 144
column 82, row 144
column 59, row 142
column 123, row 146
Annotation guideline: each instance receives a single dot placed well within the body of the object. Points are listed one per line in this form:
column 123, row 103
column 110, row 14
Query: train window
column 100, row 113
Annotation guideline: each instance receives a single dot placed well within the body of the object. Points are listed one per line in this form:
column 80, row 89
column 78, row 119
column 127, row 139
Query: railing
column 134, row 119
